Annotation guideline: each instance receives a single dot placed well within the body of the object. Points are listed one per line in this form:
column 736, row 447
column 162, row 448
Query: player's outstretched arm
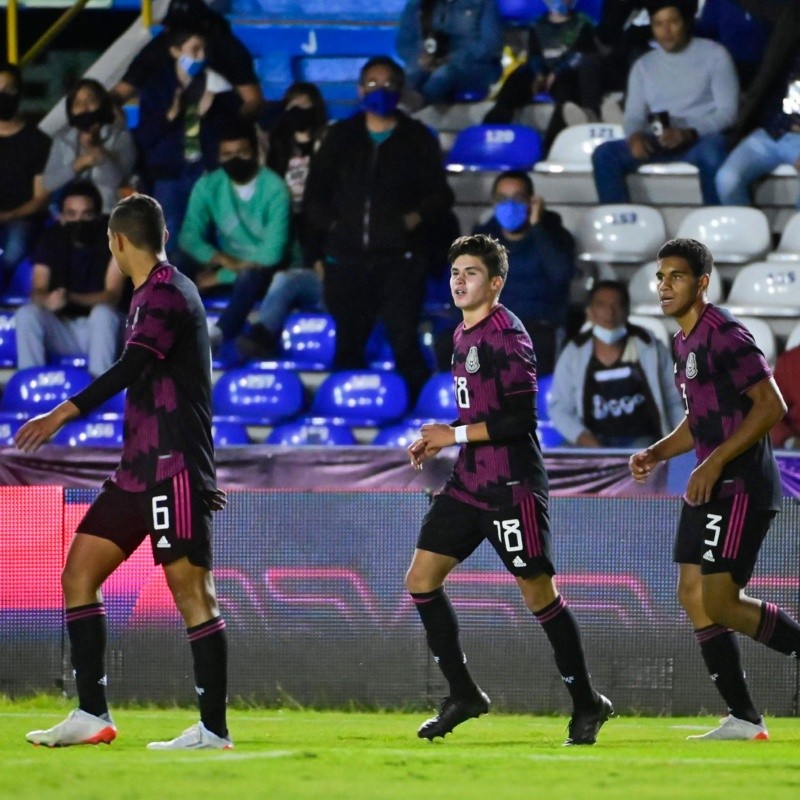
column 35, row 432
column 673, row 444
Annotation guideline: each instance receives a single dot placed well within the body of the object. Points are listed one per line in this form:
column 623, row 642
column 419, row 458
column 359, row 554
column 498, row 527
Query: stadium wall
column 311, row 585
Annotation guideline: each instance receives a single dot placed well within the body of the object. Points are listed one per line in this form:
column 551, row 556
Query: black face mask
column 87, row 120
column 82, row 232
column 240, row 170
column 299, row 119
column 9, row 103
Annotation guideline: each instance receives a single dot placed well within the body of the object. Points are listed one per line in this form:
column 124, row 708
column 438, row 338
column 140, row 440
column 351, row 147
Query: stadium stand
column 764, row 336
column 734, row 234
column 229, row 434
column 314, row 432
column 91, row 433
column 38, row 389
column 253, row 396
column 788, row 249
column 436, row 401
column 768, row 290
column 361, row 398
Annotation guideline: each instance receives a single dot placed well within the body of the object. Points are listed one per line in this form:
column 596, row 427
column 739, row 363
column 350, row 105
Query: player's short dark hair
column 82, row 188
column 398, row 76
column 493, row 254
column 694, row 253
column 516, row 175
column 236, row 129
column 14, row 71
column 615, row 286
column 140, row 219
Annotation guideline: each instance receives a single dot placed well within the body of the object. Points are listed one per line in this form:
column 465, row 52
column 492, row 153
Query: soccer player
column 731, row 402
column 497, row 491
column 164, row 486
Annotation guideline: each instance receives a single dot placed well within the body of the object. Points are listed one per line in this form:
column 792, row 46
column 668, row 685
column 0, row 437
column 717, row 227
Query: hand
column 673, row 138
column 90, row 138
column 319, row 269
column 587, row 439
column 640, row 146
column 56, row 300
column 206, row 279
column 641, row 465
column 411, row 220
column 35, row 432
column 537, row 209
column 226, row 262
column 702, row 481
column 549, row 81
column 420, row 450
column 216, row 500
column 175, row 108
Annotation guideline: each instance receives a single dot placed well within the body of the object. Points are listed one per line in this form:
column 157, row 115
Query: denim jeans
column 16, row 238
column 173, row 194
column 445, row 83
column 612, row 161
column 756, row 155
column 293, row 288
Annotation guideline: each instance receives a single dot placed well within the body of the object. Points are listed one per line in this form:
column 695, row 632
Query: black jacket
column 357, row 192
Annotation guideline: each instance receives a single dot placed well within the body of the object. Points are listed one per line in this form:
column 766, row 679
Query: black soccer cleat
column 585, row 725
column 453, row 711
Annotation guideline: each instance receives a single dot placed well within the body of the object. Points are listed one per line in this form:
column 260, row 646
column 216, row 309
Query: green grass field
column 296, row 754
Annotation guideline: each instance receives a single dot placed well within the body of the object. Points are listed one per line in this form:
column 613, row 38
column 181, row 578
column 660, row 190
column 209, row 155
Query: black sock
column 721, row 653
column 441, row 628
column 778, row 631
column 210, row 653
column 561, row 628
column 86, row 628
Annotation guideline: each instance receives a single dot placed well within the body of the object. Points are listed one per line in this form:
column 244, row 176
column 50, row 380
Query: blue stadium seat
column 361, row 397
column 229, row 434
column 9, row 425
column 549, row 436
column 523, row 12
column 495, row 147
column 75, row 360
column 544, row 385
column 400, row 435
column 436, row 402
column 254, row 396
column 312, row 431
column 19, row 289
column 378, row 352
column 308, row 341
column 8, row 340
column 37, row 390
column 91, row 433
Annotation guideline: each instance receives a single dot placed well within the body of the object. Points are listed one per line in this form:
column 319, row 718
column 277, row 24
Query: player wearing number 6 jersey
column 164, row 487
column 734, row 491
column 497, row 491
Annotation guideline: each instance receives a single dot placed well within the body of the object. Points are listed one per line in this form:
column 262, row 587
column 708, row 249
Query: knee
column 690, row 597
column 607, row 154
column 718, row 608
column 419, row 582
column 75, row 582
column 539, row 595
column 27, row 317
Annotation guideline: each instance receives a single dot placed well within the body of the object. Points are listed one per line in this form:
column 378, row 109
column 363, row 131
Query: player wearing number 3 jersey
column 164, row 487
column 497, row 491
column 734, row 491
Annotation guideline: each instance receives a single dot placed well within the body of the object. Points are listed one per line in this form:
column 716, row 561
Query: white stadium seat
column 793, row 340
column 734, row 234
column 764, row 336
column 573, row 147
column 655, row 325
column 789, row 246
column 768, row 289
column 644, row 292
column 623, row 233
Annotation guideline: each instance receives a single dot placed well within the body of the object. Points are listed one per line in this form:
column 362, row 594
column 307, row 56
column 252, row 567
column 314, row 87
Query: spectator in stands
column 743, row 34
column 227, row 56
column 558, row 44
column 613, row 384
column 375, row 184
column 786, row 433
column 77, row 288
column 681, row 97
column 776, row 142
column 96, row 146
column 181, row 108
column 450, row 47
column 296, row 135
column 23, row 155
column 541, row 257
column 236, row 228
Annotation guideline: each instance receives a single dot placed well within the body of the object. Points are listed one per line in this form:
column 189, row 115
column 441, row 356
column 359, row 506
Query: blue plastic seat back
column 361, row 397
column 19, row 288
column 8, row 340
column 91, row 433
column 400, row 435
column 521, row 12
column 36, row 390
column 549, row 436
column 312, row 431
column 495, row 147
column 257, row 397
column 308, row 340
column 378, row 352
column 229, row 434
column 544, row 384
column 437, row 401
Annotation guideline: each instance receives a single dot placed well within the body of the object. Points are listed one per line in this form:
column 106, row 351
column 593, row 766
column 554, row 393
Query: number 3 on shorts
column 160, row 513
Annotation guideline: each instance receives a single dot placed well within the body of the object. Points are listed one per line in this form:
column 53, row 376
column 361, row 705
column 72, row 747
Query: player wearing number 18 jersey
column 164, row 487
column 734, row 491
column 497, row 491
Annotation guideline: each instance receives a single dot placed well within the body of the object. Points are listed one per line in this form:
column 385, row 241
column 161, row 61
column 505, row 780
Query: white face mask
column 609, row 336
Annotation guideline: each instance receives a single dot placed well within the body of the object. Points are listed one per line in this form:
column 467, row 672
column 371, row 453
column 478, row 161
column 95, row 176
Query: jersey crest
column 691, row 366
column 472, row 364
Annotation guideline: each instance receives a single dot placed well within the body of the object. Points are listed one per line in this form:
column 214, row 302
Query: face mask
column 9, row 103
column 191, row 66
column 511, row 214
column 381, row 102
column 240, row 170
column 87, row 120
column 82, row 232
column 299, row 119
column 609, row 336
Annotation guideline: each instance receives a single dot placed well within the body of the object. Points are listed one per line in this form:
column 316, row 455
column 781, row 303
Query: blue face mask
column 381, row 102
column 191, row 66
column 512, row 214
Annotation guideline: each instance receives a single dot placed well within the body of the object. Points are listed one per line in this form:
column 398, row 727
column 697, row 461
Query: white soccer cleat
column 198, row 737
column 78, row 728
column 731, row 728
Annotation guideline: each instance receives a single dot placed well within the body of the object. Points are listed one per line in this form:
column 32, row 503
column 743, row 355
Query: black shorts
column 520, row 534
column 174, row 513
column 723, row 535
